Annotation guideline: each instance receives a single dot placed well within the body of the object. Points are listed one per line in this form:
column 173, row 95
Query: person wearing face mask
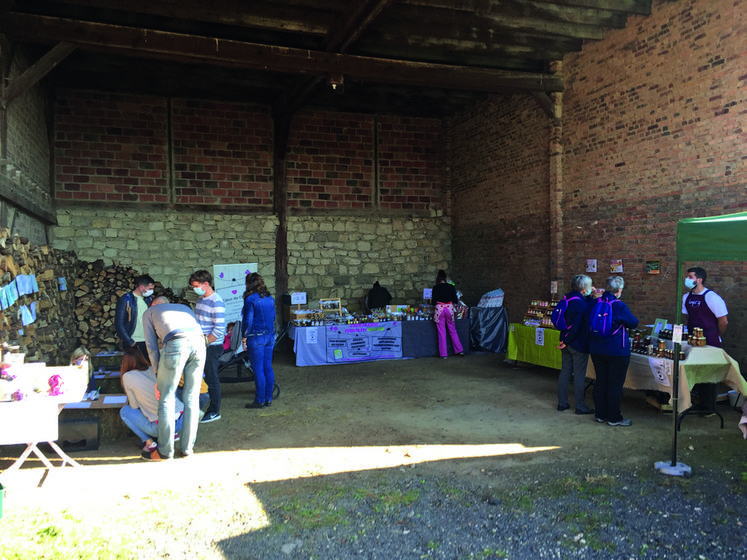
column 574, row 344
column 707, row 310
column 128, row 317
column 210, row 311
column 611, row 356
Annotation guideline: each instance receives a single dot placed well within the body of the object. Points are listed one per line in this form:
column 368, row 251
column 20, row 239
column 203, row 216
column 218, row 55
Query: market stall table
column 34, row 419
column 534, row 345
column 359, row 342
column 704, row 364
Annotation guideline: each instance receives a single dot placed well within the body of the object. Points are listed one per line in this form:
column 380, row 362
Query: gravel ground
column 497, row 514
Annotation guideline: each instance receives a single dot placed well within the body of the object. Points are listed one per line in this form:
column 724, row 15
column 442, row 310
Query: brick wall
column 115, row 148
column 110, row 148
column 222, row 154
column 345, row 161
column 654, row 132
column 25, row 179
column 498, row 175
column 410, row 164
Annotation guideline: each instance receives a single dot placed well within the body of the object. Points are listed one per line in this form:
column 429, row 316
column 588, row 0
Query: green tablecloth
column 534, row 345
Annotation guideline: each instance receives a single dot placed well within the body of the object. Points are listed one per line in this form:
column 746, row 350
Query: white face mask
column 690, row 283
column 147, row 293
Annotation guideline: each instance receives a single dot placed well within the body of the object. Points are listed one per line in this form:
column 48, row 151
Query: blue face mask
column 199, row 291
column 690, row 283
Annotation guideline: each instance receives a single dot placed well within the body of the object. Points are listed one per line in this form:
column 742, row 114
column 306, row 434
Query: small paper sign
column 539, row 337
column 677, row 333
column 298, row 298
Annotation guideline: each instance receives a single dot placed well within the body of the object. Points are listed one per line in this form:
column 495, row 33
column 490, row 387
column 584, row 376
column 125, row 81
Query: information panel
column 364, row 341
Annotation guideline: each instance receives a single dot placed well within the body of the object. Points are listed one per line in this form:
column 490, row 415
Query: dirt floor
column 344, row 448
column 464, row 412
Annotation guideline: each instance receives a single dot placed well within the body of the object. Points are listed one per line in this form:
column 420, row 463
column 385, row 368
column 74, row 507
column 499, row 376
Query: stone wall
column 167, row 244
column 342, row 257
column 328, row 256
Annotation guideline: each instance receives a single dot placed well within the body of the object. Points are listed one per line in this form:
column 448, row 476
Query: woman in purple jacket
column 611, row 356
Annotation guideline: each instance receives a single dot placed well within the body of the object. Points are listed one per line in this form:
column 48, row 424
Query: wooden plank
column 20, row 85
column 212, row 50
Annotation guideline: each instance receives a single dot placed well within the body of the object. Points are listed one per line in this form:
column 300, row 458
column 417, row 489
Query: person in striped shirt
column 210, row 311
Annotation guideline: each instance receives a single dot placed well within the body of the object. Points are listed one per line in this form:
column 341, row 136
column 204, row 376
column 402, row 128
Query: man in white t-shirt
column 704, row 307
column 707, row 310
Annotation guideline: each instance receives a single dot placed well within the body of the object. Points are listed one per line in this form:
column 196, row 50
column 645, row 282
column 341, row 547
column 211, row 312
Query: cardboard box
column 79, row 434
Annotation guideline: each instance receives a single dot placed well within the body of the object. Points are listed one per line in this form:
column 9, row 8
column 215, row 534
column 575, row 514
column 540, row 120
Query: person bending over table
column 176, row 348
column 444, row 297
column 258, row 337
column 574, row 344
column 611, row 356
column 140, row 414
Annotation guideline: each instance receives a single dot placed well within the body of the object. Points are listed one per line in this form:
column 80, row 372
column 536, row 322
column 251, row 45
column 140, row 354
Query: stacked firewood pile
column 50, row 337
column 97, row 288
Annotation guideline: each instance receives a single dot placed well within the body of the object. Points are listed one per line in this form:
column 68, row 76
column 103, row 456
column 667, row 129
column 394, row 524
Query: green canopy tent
column 715, row 238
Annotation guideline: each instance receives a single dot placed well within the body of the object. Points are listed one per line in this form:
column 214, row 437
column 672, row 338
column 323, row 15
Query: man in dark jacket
column 378, row 297
column 128, row 319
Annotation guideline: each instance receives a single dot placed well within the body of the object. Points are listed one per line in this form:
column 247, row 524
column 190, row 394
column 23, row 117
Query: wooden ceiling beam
column 212, row 50
column 259, row 15
column 639, row 7
column 352, row 23
column 36, row 72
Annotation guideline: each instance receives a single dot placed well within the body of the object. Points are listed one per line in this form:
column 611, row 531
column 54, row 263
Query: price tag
column 677, row 333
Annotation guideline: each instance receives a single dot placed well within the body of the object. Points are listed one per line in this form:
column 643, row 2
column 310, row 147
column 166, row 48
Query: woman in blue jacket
column 574, row 344
column 611, row 356
column 258, row 337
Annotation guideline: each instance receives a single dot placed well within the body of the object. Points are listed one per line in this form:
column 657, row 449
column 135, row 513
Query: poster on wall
column 230, row 282
column 616, row 266
column 591, row 265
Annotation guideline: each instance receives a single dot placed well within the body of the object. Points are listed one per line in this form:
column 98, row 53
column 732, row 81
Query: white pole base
column 680, row 469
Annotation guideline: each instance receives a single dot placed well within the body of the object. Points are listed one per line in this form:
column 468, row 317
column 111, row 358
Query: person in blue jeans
column 258, row 337
column 611, row 356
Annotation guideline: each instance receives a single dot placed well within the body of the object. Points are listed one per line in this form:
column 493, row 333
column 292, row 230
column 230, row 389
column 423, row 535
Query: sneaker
column 152, row 456
column 624, row 422
column 186, row 454
column 584, row 411
column 148, row 448
column 600, row 420
column 268, row 404
column 254, row 405
column 210, row 417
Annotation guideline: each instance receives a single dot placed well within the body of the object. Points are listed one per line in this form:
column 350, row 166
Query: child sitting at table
column 140, row 414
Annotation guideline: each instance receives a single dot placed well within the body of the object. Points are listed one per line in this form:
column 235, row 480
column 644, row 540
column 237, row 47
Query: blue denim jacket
column 258, row 315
